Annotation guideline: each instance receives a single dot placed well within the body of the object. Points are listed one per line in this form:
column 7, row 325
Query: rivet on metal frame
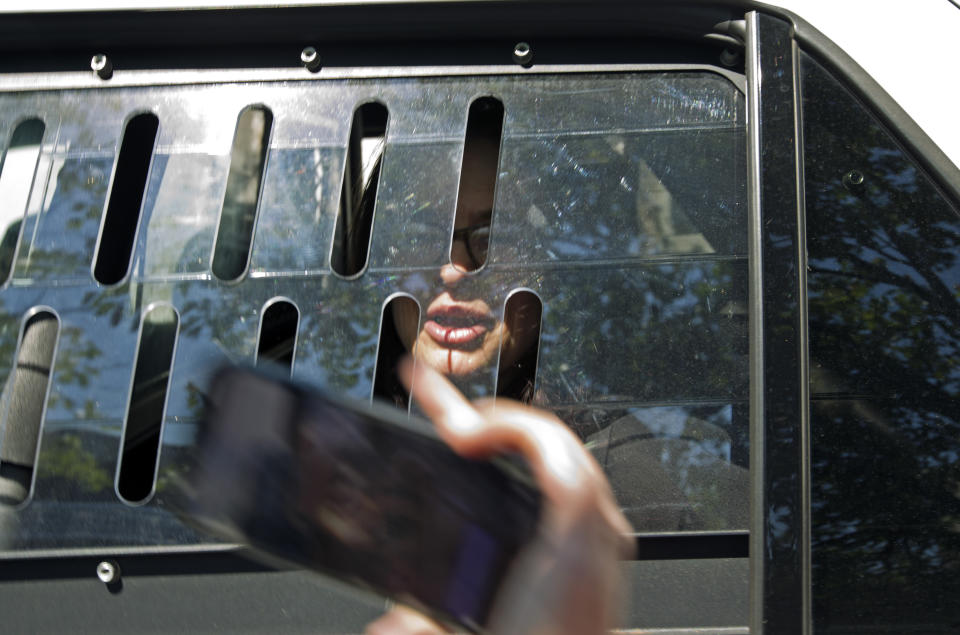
column 102, row 66
column 523, row 54
column 310, row 59
column 109, row 572
column 853, row 181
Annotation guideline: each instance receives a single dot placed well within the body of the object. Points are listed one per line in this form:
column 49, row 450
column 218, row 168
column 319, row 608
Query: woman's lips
column 456, row 326
column 454, row 336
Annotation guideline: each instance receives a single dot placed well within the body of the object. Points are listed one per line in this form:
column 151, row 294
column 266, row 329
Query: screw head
column 523, row 54
column 310, row 59
column 101, row 66
column 108, row 572
column 853, row 180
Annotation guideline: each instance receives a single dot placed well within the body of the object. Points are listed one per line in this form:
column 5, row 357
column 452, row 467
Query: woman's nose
column 451, row 274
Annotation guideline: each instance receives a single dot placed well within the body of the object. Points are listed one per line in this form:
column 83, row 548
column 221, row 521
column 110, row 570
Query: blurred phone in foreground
column 359, row 492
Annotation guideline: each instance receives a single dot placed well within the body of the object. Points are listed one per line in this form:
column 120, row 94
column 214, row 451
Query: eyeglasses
column 477, row 240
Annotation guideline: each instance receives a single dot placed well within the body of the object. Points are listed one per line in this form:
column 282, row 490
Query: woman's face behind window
column 459, row 334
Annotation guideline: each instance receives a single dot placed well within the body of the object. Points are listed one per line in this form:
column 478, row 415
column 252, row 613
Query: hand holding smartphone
column 368, row 496
column 360, row 492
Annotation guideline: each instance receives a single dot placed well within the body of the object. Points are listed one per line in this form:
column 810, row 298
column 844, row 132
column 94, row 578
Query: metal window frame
column 780, row 536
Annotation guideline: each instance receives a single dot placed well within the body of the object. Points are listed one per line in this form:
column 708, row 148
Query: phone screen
column 358, row 492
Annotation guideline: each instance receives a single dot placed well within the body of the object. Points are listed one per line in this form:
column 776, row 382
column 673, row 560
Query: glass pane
column 692, row 476
column 59, row 242
column 675, row 332
column 180, row 213
column 619, row 203
column 605, row 195
column 298, row 210
column 884, row 274
column 415, row 204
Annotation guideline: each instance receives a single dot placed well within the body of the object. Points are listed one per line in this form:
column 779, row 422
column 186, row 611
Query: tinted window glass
column 884, row 284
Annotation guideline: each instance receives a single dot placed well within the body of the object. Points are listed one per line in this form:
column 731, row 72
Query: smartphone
column 362, row 492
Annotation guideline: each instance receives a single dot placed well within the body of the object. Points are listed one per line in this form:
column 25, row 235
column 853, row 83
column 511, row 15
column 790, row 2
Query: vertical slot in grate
column 278, row 334
column 400, row 315
column 120, row 221
column 148, row 397
column 361, row 176
column 248, row 160
column 478, row 183
column 516, row 376
column 24, row 399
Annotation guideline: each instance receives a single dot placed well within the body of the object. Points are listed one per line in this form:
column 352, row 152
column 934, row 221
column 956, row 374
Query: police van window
column 619, row 205
column 884, row 310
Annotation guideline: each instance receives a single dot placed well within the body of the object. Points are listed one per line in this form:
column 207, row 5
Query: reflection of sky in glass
column 672, row 421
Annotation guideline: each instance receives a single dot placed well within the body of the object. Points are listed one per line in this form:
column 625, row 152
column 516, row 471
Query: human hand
column 567, row 581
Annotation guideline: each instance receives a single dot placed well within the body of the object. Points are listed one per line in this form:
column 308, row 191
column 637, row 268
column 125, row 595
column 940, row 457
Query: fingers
column 553, row 452
column 568, row 579
column 558, row 460
column 567, row 474
column 401, row 620
column 441, row 401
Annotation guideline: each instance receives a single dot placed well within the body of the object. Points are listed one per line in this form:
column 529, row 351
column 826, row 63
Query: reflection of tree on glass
column 670, row 466
column 884, row 274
